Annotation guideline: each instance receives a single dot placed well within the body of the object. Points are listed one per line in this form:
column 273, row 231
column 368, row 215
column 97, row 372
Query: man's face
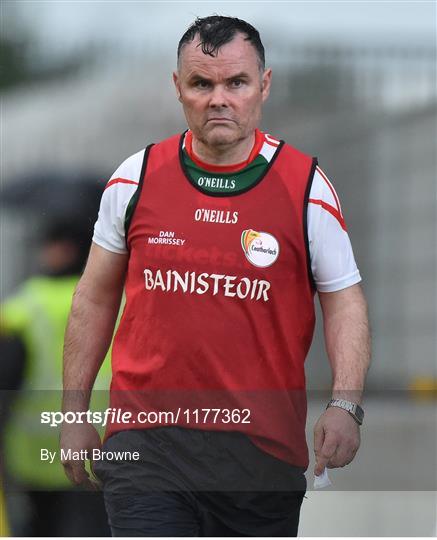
column 222, row 96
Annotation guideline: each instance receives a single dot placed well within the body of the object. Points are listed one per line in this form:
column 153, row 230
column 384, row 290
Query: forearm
column 347, row 338
column 87, row 340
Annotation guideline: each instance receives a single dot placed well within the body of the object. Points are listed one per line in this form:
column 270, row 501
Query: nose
column 218, row 97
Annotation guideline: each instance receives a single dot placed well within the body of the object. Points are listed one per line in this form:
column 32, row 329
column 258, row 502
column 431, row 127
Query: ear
column 177, row 85
column 266, row 83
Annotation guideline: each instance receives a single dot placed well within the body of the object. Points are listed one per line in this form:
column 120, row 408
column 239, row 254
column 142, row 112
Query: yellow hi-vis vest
column 4, row 529
column 38, row 314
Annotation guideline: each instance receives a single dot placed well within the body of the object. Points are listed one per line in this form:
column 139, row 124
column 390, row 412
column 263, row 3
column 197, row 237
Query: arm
column 94, row 311
column 347, row 339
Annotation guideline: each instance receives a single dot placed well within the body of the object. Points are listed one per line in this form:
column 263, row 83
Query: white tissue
column 322, row 480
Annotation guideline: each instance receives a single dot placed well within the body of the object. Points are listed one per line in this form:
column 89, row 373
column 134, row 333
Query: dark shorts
column 198, row 483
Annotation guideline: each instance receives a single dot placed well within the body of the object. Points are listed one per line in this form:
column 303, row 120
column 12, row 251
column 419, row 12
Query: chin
column 221, row 137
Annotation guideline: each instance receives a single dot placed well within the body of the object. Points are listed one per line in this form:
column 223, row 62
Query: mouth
column 219, row 120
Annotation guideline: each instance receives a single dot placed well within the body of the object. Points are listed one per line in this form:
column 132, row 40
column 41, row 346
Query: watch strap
column 353, row 409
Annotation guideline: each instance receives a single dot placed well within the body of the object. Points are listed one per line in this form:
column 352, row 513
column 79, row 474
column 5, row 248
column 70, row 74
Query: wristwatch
column 353, row 409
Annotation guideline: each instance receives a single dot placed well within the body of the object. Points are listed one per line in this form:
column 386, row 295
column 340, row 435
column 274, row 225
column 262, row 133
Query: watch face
column 360, row 413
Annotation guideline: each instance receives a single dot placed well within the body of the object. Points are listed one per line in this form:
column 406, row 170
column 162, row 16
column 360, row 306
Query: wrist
column 75, row 400
column 354, row 396
column 354, row 409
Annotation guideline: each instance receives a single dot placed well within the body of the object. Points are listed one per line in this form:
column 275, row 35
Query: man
column 220, row 237
column 32, row 327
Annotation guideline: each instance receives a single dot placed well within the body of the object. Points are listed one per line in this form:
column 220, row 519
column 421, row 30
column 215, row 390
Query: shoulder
column 128, row 172
column 292, row 159
column 109, row 230
column 297, row 153
column 123, row 183
column 130, row 169
column 324, row 196
column 166, row 149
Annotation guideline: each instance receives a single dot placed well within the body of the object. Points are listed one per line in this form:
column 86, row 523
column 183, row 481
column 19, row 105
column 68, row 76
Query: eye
column 202, row 84
column 236, row 83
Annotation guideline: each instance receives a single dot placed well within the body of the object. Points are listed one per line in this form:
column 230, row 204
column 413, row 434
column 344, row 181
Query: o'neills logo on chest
column 215, row 216
column 194, row 283
column 219, row 183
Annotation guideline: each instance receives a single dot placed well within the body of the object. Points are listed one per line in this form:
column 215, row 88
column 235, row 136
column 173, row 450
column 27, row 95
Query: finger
column 76, row 472
column 319, row 435
column 68, row 472
column 325, row 454
column 96, row 480
column 320, row 465
column 91, row 485
column 344, row 453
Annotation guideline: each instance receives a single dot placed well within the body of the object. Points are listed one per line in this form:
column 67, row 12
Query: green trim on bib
column 235, row 182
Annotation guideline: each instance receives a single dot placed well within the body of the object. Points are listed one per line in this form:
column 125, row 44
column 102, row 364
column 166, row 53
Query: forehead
column 238, row 54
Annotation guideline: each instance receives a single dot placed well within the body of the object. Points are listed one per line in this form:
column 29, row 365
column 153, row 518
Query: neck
column 226, row 154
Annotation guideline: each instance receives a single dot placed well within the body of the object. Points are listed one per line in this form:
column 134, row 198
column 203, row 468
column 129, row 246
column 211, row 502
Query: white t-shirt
column 332, row 260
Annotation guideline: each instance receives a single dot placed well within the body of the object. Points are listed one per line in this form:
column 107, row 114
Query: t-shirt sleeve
column 109, row 230
column 332, row 260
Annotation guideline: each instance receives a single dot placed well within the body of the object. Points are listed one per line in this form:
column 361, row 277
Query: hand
column 80, row 439
column 336, row 439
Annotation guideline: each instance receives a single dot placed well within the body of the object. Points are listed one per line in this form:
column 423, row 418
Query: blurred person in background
column 221, row 237
column 40, row 500
column 4, row 529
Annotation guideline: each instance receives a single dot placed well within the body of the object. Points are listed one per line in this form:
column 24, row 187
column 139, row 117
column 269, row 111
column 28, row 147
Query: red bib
column 219, row 310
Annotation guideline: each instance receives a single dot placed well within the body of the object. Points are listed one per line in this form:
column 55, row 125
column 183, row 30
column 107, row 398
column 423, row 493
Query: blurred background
column 86, row 84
